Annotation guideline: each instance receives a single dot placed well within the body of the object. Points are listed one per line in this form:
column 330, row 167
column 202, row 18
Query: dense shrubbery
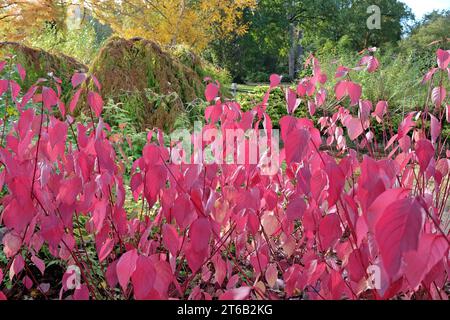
column 75, row 228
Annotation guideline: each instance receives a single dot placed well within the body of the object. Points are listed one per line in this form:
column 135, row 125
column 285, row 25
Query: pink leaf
column 380, row 110
column 39, row 263
column 292, row 101
column 275, row 80
column 354, row 128
column 329, row 230
column 74, row 100
column 81, row 293
column 432, row 249
column 438, row 95
column 17, row 266
column 295, row 208
column 370, row 62
column 241, row 293
column 354, row 92
column 341, row 72
column 125, row 267
column 21, row 71
column 49, row 97
column 397, row 231
column 96, row 83
column 296, row 145
column 311, row 107
column 95, row 101
column 199, row 233
column 143, row 278
column 443, row 58
column 211, row 91
column 105, row 249
column 271, row 275
column 424, row 152
column 171, row 239
column 77, row 79
column 429, row 75
column 3, row 86
column 435, row 128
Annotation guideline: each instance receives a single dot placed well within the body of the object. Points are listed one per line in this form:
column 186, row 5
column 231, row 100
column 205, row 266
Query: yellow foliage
column 169, row 22
column 19, row 18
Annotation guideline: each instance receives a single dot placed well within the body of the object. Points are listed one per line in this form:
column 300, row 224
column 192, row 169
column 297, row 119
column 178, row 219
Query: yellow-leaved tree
column 169, row 22
column 18, row 19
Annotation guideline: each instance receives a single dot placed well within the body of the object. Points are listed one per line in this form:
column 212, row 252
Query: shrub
column 328, row 224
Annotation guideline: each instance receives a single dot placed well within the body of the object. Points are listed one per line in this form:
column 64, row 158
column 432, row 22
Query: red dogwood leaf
column 211, row 91
column 241, row 293
column 432, row 249
column 95, row 101
column 424, row 152
column 125, row 268
column 397, row 232
column 443, row 58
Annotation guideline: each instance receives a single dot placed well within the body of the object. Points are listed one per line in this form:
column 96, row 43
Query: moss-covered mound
column 149, row 83
column 39, row 63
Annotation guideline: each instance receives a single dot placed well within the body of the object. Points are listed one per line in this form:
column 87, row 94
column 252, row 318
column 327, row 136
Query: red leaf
column 105, row 249
column 432, row 249
column 354, row 127
column 295, row 208
column 16, row 267
column 81, row 293
column 292, row 101
column 275, row 80
column 171, row 239
column 96, row 83
column 424, row 153
column 95, row 101
column 143, row 278
column 438, row 95
column 435, row 128
column 21, row 71
column 12, row 243
column 3, row 86
column 429, row 75
column 74, row 100
column 329, row 230
column 296, row 145
column 125, row 267
column 241, row 293
column 271, row 275
column 311, row 107
column 77, row 79
column 39, row 264
column 200, row 233
column 380, row 110
column 443, row 58
column 49, row 97
column 211, row 92
column 370, row 62
column 398, row 231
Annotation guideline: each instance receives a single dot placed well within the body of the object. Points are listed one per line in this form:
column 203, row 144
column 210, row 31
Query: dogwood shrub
column 346, row 216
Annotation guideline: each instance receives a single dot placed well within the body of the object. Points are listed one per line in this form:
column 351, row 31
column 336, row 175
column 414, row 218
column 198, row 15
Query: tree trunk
column 296, row 50
column 292, row 51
